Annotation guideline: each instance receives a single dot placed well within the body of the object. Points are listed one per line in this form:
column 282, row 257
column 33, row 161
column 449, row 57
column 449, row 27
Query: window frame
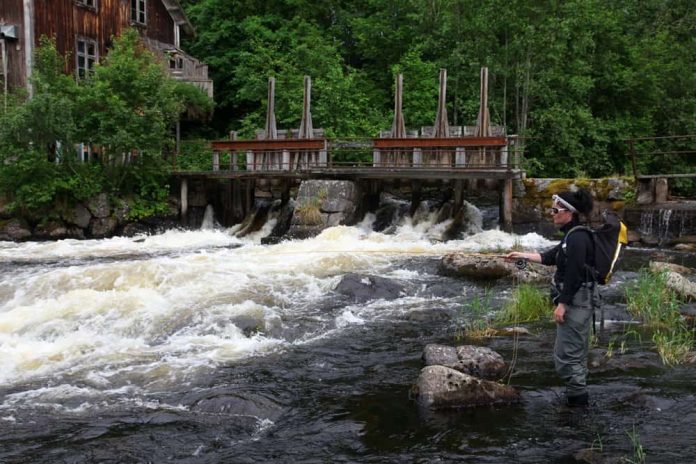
column 87, row 69
column 86, row 4
column 138, row 11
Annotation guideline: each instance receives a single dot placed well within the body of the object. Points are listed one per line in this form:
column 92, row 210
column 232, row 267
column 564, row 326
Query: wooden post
column 376, row 158
column 249, row 195
column 661, row 190
column 460, row 158
column 233, row 154
column 216, row 161
column 184, row 201
column 323, row 155
column 285, row 193
column 506, row 204
column 285, row 166
column 415, row 196
column 417, row 157
column 458, row 196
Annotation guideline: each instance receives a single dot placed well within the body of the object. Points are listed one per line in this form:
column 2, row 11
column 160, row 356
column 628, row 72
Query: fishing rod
column 520, row 263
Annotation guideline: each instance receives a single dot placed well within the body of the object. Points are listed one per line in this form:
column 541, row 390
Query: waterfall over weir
column 208, row 218
column 663, row 225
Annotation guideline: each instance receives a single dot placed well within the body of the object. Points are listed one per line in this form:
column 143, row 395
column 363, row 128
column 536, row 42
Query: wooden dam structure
column 464, row 158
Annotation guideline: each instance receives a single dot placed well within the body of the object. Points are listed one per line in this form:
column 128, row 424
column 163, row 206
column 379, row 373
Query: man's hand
column 559, row 313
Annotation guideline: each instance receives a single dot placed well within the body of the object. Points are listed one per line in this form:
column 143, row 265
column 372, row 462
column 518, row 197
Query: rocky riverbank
column 99, row 217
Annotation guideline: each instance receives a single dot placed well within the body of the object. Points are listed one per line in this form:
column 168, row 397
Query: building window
column 88, row 3
column 138, row 14
column 86, row 56
column 176, row 63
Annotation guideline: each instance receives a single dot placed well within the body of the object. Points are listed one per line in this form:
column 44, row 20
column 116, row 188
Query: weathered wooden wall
column 11, row 12
column 65, row 20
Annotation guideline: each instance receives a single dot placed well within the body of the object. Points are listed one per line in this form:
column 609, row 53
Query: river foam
column 178, row 304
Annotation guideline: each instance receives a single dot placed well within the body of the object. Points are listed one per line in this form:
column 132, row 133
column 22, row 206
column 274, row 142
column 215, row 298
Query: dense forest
column 576, row 78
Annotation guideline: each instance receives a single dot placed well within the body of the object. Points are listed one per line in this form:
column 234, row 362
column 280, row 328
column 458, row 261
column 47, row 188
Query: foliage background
column 125, row 110
column 577, row 77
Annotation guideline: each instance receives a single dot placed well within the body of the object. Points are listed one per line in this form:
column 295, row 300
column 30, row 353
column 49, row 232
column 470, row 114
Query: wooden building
column 84, row 29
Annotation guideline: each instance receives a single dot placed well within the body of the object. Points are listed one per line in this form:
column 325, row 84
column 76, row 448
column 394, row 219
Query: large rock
column 483, row 267
column 79, row 216
column 479, row 361
column 674, row 279
column 14, row 230
column 52, row 230
column 365, row 288
column 102, row 227
column 443, row 387
column 657, row 266
column 682, row 286
column 99, row 206
column 321, row 204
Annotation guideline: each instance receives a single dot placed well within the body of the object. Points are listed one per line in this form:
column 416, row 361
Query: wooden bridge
column 463, row 155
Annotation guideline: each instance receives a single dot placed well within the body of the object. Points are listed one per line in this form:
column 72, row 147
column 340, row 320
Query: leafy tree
column 125, row 111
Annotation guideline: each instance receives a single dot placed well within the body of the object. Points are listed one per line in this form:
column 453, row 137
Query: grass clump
column 528, row 303
column 658, row 306
column 651, row 300
column 474, row 319
column 309, row 213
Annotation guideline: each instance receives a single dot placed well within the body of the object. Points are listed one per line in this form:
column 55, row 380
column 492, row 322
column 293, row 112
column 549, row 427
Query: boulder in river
column 14, row 229
column 657, row 266
column 365, row 288
column 442, row 387
column 674, row 279
column 469, row 359
column 485, row 267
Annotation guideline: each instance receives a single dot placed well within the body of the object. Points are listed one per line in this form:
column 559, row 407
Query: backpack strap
column 590, row 272
column 591, row 275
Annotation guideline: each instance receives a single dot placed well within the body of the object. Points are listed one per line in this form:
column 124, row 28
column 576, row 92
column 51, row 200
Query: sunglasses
column 557, row 210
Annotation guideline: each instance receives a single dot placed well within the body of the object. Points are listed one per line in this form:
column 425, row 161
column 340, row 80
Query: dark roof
column 179, row 16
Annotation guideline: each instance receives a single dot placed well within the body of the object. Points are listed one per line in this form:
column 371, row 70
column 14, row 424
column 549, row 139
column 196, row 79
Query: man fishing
column 572, row 291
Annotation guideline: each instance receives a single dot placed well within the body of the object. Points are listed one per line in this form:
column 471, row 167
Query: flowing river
column 202, row 347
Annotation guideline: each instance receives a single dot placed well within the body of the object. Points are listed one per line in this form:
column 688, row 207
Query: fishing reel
column 521, row 264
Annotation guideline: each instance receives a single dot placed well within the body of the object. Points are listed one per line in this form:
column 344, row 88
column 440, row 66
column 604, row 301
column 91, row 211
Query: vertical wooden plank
column 460, row 157
column 506, row 207
column 184, row 200
column 376, row 158
column 286, row 160
column 216, row 161
column 233, row 153
column 250, row 161
column 417, row 157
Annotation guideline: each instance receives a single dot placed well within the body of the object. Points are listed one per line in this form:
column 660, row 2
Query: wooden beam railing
column 413, row 153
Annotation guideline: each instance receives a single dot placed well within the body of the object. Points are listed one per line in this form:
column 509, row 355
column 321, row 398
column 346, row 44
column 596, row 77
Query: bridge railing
column 658, row 162
column 291, row 155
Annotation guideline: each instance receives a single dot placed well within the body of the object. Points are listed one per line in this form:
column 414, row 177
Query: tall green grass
column 528, row 303
column 474, row 319
column 651, row 300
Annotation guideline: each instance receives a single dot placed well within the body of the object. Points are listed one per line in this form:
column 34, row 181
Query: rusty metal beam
column 269, row 145
column 452, row 142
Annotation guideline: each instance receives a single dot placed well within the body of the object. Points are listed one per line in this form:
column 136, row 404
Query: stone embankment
column 97, row 218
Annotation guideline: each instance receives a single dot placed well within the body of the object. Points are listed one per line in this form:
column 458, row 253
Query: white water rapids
column 126, row 315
